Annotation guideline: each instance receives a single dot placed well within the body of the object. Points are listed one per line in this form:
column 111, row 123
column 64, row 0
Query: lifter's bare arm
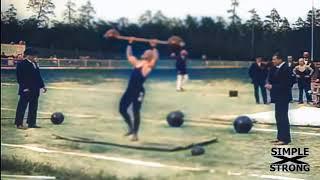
column 131, row 58
column 155, row 58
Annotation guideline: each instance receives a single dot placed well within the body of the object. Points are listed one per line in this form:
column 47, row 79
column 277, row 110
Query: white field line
column 84, row 89
column 109, row 158
column 25, row 177
column 263, row 176
column 145, row 163
column 274, row 177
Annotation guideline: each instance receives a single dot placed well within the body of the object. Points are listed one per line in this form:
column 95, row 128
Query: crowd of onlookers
column 10, row 60
column 13, row 58
column 302, row 72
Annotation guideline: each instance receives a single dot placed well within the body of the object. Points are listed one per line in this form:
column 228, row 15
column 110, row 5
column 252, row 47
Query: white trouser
column 181, row 80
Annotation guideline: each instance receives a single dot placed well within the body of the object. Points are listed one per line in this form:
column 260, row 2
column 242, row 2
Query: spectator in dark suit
column 258, row 73
column 30, row 83
column 279, row 84
column 271, row 69
column 291, row 65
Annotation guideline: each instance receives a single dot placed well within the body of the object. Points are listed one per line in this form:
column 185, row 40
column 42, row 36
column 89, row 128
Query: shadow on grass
column 18, row 166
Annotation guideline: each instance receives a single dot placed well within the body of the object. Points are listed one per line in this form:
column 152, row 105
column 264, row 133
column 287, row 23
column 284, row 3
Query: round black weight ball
column 175, row 118
column 57, row 118
column 242, row 124
column 197, row 150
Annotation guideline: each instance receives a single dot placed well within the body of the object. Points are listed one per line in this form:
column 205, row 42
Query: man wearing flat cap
column 30, row 83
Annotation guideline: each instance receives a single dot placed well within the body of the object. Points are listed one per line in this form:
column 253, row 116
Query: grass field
column 90, row 100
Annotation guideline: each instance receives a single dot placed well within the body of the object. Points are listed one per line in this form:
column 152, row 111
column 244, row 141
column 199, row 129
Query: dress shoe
column 279, row 143
column 274, row 141
column 34, row 126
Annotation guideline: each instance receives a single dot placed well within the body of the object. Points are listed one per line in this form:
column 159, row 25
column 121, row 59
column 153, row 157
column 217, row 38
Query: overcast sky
column 132, row 9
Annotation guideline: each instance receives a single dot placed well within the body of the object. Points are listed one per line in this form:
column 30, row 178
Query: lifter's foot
column 21, row 127
column 128, row 133
column 134, row 137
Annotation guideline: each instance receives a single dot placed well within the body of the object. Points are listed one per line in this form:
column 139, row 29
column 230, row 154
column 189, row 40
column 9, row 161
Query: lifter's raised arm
column 155, row 58
column 131, row 58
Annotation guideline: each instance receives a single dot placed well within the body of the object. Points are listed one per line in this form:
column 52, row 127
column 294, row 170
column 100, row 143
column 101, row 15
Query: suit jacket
column 28, row 77
column 280, row 81
column 258, row 74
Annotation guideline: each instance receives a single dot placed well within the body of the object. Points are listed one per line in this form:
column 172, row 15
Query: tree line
column 215, row 37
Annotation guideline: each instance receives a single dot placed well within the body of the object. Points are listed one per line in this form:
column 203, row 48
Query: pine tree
column 159, row 18
column 10, row 15
column 285, row 25
column 235, row 19
column 69, row 15
column 175, row 23
column 145, row 18
column 43, row 9
column 299, row 23
column 86, row 14
column 316, row 18
column 254, row 22
column 123, row 22
column 255, row 19
column 191, row 22
column 273, row 21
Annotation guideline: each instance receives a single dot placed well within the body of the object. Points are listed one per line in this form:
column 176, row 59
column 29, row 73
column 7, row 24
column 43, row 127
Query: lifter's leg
column 124, row 109
column 179, row 82
column 184, row 80
column 136, row 111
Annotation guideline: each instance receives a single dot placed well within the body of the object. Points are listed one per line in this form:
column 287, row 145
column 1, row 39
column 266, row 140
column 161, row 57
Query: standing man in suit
column 279, row 85
column 30, row 83
column 258, row 73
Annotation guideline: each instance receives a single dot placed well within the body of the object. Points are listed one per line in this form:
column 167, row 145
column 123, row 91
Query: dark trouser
column 263, row 92
column 292, row 82
column 282, row 119
column 26, row 98
column 304, row 85
column 290, row 92
column 130, row 106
